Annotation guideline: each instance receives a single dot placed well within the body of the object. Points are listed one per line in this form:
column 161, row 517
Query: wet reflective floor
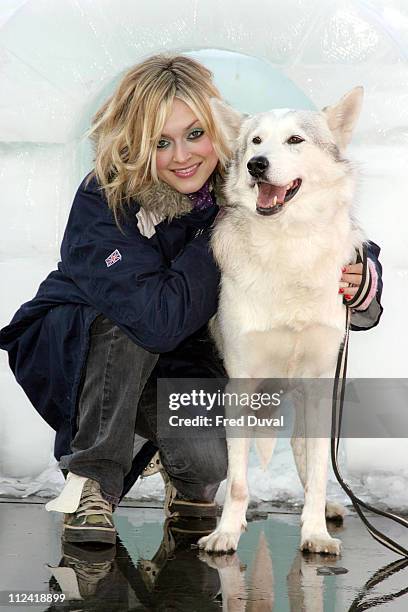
column 155, row 566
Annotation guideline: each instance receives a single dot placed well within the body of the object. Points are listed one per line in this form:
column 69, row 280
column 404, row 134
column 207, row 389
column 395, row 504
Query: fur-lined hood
column 165, row 202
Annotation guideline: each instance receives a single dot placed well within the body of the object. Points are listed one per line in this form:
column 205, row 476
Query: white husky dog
column 281, row 244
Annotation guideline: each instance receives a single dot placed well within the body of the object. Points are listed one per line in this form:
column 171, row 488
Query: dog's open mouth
column 271, row 198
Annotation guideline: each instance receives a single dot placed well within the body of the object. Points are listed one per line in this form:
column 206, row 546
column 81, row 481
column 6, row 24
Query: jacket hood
column 165, row 202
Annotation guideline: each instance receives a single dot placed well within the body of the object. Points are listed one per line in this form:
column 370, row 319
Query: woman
column 130, row 300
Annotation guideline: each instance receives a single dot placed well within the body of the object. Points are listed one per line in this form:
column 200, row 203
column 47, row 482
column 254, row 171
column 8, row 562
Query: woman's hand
column 350, row 280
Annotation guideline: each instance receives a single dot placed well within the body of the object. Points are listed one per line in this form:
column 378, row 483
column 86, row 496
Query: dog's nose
column 257, row 165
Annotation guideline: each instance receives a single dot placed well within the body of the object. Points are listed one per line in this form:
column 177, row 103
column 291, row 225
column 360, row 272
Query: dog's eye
column 295, row 140
column 256, row 140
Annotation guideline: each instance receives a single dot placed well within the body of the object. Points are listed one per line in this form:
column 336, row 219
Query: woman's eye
column 193, row 135
column 256, row 140
column 295, row 140
column 196, row 133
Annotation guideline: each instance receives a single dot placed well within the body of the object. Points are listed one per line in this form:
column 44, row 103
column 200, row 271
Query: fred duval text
column 247, row 420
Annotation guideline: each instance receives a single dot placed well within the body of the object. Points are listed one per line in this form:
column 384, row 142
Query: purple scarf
column 202, row 198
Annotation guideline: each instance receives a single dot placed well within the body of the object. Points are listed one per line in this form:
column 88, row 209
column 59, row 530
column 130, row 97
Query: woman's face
column 185, row 156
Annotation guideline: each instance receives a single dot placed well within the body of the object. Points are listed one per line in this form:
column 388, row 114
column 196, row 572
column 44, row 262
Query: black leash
column 337, row 415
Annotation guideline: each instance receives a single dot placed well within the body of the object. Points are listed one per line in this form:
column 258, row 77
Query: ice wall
column 60, row 59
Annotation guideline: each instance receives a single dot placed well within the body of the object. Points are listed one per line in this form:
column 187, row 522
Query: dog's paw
column 220, row 542
column 321, row 543
column 335, row 512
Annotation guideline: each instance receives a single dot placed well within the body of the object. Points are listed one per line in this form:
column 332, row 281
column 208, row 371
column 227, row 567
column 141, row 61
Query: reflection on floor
column 155, row 566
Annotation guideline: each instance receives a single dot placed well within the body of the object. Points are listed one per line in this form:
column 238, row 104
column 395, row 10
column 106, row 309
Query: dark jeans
column 117, row 414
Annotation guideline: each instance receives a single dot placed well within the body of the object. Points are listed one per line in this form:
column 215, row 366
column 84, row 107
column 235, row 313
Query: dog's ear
column 228, row 120
column 342, row 117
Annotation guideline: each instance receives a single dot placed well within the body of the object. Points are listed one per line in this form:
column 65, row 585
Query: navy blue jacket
column 160, row 291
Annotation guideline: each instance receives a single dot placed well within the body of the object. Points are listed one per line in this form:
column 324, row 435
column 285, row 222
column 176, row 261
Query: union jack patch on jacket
column 113, row 258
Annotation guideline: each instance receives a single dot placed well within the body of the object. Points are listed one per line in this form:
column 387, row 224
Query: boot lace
column 92, row 501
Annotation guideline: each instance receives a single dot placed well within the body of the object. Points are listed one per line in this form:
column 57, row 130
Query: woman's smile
column 186, row 172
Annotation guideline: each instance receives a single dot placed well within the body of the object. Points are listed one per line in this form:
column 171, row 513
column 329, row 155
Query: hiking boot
column 154, row 466
column 92, row 520
column 174, row 505
column 188, row 508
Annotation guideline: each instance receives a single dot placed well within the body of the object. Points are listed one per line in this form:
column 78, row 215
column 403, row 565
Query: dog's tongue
column 267, row 193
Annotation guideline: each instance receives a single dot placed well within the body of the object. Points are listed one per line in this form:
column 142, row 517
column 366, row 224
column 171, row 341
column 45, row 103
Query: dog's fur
column 280, row 313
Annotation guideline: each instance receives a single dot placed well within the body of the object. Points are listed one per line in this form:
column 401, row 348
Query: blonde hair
column 127, row 127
